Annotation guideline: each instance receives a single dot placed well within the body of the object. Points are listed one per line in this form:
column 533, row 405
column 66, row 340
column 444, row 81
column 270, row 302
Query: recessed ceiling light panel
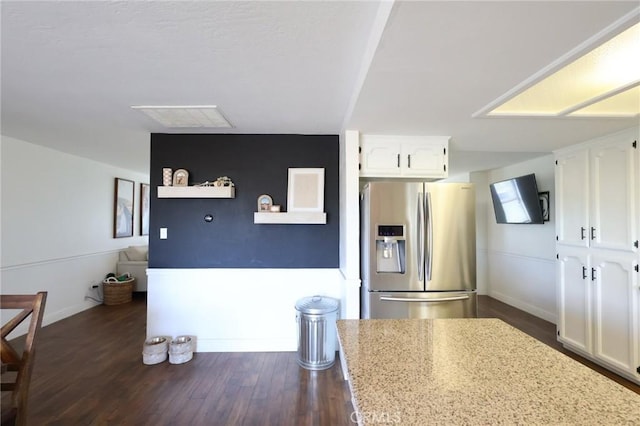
column 621, row 105
column 601, row 83
column 207, row 116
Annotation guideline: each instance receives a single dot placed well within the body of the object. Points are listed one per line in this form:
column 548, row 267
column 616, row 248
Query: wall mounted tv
column 516, row 200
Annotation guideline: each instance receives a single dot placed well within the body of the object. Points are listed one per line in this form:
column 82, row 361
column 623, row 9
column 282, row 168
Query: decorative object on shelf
column 224, row 181
column 181, row 178
column 220, row 182
column 206, row 183
column 123, row 208
column 544, row 205
column 275, row 208
column 305, row 191
column 144, row 208
column 264, row 203
column 167, row 176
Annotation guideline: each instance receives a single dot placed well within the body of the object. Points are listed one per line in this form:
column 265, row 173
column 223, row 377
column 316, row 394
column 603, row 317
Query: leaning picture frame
column 144, row 208
column 123, row 208
column 305, row 190
column 264, row 203
column 544, row 205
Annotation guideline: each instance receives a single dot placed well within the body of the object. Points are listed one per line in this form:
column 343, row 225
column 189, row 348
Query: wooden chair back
column 31, row 305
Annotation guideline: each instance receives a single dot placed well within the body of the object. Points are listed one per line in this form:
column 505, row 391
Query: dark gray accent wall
column 257, row 164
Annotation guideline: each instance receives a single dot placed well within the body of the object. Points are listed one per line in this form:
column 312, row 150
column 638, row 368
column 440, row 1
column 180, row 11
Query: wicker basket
column 117, row 292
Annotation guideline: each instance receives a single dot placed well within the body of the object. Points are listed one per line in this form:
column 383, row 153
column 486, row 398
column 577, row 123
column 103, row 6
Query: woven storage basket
column 117, row 292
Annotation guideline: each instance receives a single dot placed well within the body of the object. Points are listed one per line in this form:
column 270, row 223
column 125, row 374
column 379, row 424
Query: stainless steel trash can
column 316, row 319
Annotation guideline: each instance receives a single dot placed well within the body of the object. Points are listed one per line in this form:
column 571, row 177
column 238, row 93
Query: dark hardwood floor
column 89, row 371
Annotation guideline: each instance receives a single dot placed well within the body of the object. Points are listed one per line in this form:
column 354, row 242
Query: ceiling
column 72, row 70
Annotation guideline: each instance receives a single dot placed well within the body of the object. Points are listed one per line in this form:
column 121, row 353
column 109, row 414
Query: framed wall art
column 123, row 208
column 144, row 208
column 544, row 205
column 264, row 203
column 181, row 177
column 305, row 190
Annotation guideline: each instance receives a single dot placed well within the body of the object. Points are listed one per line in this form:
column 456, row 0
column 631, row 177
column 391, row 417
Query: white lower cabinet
column 575, row 300
column 615, row 312
column 599, row 301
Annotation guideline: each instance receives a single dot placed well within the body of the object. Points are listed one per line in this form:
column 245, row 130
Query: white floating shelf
column 295, row 218
column 196, row 192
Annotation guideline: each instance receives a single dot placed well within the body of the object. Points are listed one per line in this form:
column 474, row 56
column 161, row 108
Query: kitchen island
column 473, row 372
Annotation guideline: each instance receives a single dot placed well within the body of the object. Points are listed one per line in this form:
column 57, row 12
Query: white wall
column 254, row 309
column 57, row 224
column 350, row 223
column 234, row 310
column 521, row 258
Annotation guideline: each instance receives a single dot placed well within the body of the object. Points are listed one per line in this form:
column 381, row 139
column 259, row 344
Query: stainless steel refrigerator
column 418, row 250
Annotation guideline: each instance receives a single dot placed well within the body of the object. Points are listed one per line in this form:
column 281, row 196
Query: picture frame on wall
column 123, row 208
column 305, row 190
column 144, row 208
column 544, row 205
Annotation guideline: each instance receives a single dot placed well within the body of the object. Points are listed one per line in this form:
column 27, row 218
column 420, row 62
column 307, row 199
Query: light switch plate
column 163, row 233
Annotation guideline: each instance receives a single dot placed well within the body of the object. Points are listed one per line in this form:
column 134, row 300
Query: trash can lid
column 317, row 305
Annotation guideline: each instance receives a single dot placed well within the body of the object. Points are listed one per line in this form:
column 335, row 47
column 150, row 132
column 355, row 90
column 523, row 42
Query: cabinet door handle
column 398, row 160
column 593, row 274
column 584, row 272
column 582, row 229
column 409, row 161
column 593, row 233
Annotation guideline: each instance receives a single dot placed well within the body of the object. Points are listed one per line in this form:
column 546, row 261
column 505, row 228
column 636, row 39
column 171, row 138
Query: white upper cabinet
column 596, row 194
column 404, row 156
column 379, row 156
column 572, row 197
column 613, row 202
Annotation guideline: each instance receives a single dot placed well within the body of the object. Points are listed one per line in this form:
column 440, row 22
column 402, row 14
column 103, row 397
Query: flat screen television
column 516, row 200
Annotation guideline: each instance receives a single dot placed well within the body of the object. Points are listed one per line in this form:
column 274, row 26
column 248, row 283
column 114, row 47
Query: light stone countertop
column 472, row 372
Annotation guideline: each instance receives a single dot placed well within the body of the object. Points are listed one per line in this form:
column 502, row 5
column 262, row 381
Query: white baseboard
column 248, row 345
column 50, row 318
column 533, row 310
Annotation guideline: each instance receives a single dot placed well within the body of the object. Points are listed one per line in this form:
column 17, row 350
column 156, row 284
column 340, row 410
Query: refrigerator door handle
column 412, row 299
column 420, row 238
column 429, row 230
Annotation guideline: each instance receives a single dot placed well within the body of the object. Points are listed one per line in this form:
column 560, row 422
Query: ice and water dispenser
column 390, row 249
